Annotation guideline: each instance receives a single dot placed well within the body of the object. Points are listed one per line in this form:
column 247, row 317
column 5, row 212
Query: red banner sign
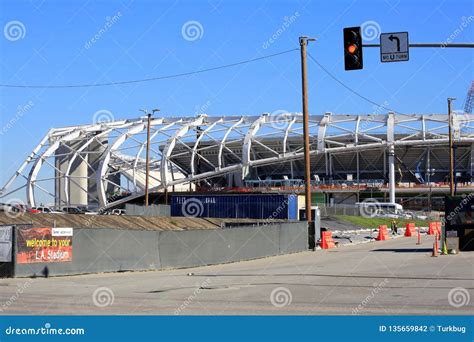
column 44, row 245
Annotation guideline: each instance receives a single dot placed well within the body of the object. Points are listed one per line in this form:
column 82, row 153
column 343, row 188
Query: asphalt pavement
column 395, row 277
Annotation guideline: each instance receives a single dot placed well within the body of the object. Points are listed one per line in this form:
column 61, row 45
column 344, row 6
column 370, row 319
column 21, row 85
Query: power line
column 148, row 79
column 349, row 88
column 65, row 86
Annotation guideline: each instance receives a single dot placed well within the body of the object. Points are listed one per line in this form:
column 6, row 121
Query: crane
column 469, row 99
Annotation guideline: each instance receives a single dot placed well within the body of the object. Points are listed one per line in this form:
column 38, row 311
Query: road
column 386, row 277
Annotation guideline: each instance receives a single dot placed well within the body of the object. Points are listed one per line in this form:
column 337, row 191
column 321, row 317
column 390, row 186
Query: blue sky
column 145, row 39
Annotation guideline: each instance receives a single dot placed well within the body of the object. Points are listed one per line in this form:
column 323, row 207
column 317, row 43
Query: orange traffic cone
column 326, row 240
column 432, row 228
column 410, row 229
column 383, row 234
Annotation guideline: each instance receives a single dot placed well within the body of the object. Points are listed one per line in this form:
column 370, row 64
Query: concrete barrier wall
column 115, row 250
column 205, row 247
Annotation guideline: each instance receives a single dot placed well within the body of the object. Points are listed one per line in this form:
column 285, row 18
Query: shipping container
column 252, row 206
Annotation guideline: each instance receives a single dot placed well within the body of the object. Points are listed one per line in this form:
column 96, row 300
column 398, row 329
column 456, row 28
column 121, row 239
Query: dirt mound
column 114, row 221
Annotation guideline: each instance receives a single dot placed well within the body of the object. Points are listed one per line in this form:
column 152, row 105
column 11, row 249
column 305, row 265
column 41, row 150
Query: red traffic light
column 352, row 48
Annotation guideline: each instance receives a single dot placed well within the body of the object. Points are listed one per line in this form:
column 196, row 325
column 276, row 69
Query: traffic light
column 353, row 48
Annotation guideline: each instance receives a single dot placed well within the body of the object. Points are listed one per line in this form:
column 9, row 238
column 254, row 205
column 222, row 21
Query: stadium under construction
column 402, row 158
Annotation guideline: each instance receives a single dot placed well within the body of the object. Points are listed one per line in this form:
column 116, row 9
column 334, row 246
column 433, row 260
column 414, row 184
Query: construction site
column 323, row 211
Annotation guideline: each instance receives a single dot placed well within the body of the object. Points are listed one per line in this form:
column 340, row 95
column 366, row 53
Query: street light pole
column 451, row 156
column 147, row 167
column 307, row 162
column 147, row 158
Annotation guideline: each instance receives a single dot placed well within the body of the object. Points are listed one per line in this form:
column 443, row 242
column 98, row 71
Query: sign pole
column 429, row 45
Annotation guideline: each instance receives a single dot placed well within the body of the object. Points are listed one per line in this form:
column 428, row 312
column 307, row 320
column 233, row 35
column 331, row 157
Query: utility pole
column 451, row 147
column 307, row 162
column 147, row 170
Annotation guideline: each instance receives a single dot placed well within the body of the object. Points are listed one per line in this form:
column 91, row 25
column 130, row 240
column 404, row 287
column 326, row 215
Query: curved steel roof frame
column 237, row 143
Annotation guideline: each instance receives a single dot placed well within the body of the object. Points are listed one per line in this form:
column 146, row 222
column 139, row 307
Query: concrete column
column 96, row 150
column 77, row 182
column 60, row 162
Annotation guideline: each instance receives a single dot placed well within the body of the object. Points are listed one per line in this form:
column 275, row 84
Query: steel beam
column 248, row 143
column 168, row 149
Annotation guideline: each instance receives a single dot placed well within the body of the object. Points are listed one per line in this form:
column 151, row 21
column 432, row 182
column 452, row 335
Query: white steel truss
column 104, row 164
